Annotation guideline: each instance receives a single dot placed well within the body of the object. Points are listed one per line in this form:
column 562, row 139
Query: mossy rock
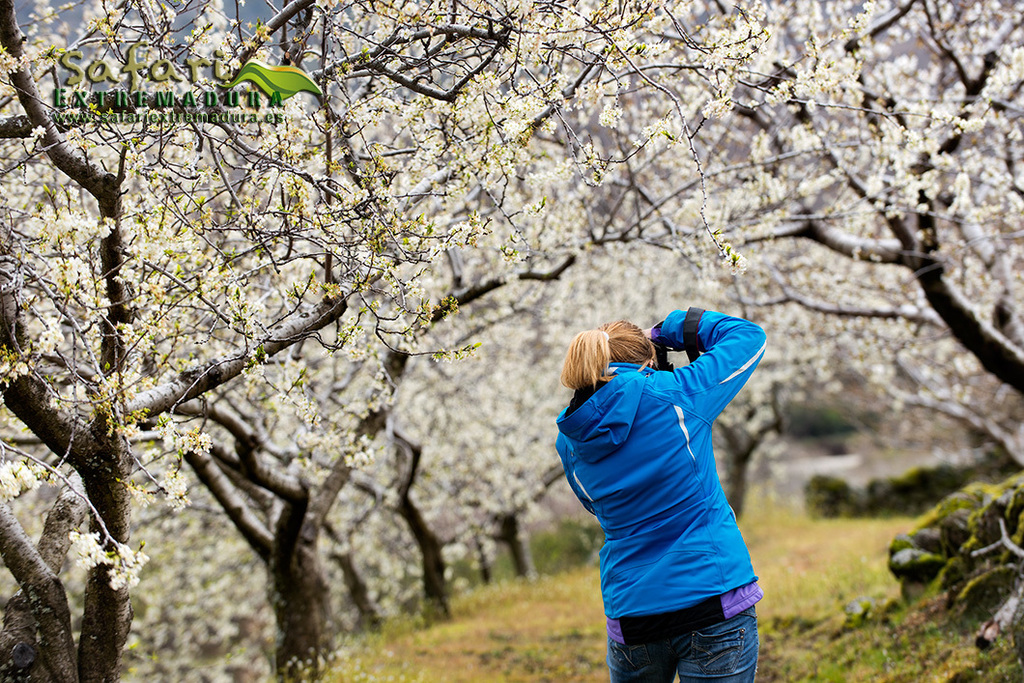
column 928, row 539
column 857, row 612
column 953, row 573
column 1014, row 514
column 942, row 541
column 982, row 595
column 901, row 542
column 955, row 531
column 1018, row 535
column 1017, row 628
column 924, row 477
column 1014, row 481
column 912, row 564
column 970, row 498
column 984, row 523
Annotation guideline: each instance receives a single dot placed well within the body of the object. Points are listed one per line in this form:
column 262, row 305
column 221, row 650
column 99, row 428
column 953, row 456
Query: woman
column 676, row 578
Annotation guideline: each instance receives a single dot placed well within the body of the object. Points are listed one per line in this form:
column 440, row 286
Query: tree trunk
column 300, row 597
column 24, row 659
column 485, row 562
column 741, row 442
column 736, row 479
column 740, row 446
column 18, row 643
column 36, row 642
column 107, row 616
column 302, row 611
column 369, row 615
column 519, row 545
column 435, row 588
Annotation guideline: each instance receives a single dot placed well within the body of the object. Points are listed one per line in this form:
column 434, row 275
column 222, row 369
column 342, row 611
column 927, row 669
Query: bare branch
column 29, row 396
column 940, row 400
column 67, row 514
column 237, row 509
column 15, row 127
column 882, row 24
column 878, row 251
column 996, row 352
column 1002, row 620
column 248, row 443
column 387, row 45
column 103, row 186
column 553, row 474
column 480, row 289
column 924, row 316
column 45, row 593
column 276, row 23
column 214, row 373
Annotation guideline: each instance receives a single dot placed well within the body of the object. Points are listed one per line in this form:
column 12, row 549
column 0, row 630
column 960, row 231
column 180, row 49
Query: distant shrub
column 910, row 493
column 571, row 544
column 827, row 496
column 805, row 421
column 914, row 491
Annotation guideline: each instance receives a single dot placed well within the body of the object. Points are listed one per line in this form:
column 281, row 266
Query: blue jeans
column 723, row 653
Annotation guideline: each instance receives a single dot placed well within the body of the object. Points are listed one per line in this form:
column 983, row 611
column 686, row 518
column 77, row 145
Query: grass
column 552, row 629
column 810, row 569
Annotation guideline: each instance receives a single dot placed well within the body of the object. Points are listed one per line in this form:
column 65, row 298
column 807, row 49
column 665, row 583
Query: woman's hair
column 591, row 351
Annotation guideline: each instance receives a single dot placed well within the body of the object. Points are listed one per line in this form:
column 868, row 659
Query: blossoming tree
column 868, row 162
column 166, row 257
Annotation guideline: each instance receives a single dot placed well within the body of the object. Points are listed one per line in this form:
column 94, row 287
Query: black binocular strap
column 690, row 341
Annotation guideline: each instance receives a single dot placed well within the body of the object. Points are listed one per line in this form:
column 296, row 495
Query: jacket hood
column 603, row 422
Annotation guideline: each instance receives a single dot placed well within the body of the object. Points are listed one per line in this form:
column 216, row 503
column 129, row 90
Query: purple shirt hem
column 615, row 631
column 733, row 602
column 739, row 599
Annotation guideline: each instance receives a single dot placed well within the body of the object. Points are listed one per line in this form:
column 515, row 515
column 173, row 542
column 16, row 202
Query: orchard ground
column 812, row 571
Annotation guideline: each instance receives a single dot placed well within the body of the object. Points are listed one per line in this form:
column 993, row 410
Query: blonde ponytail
column 591, row 351
column 587, row 359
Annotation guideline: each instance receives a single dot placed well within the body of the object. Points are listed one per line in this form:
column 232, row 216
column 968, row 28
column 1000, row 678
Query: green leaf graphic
column 286, row 80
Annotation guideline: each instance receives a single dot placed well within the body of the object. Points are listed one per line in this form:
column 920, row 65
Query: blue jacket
column 638, row 455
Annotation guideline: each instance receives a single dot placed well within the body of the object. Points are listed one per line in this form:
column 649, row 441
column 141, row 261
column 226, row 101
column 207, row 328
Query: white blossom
column 123, row 563
column 17, row 478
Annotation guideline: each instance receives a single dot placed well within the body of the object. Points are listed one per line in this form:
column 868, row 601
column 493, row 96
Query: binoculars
column 691, row 343
column 661, row 357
